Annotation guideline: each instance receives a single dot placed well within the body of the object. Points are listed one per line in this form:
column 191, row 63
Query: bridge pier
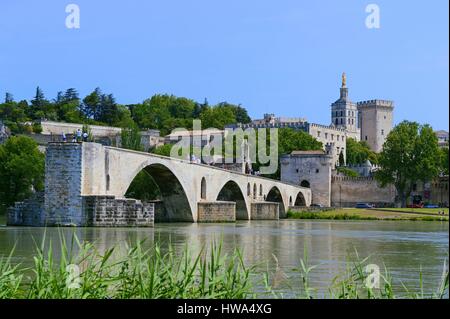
column 215, row 212
column 265, row 211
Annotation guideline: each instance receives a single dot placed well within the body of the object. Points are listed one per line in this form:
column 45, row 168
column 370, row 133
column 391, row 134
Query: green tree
column 91, row 104
column 21, row 169
column 295, row 140
column 68, row 106
column 347, row 172
column 39, row 100
column 109, row 111
column 14, row 114
column 217, row 117
column 199, row 108
column 124, row 117
column 131, row 138
column 9, row 97
column 359, row 152
column 341, row 159
column 410, row 154
column 444, row 161
column 153, row 113
column 163, row 150
column 240, row 114
column 41, row 107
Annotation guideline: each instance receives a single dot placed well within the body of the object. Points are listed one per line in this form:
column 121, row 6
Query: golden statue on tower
column 344, row 80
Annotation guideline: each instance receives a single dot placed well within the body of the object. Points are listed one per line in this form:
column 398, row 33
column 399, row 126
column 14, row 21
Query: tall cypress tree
column 9, row 97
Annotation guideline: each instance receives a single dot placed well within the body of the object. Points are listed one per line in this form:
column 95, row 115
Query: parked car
column 431, row 206
column 417, row 205
column 317, row 205
column 363, row 205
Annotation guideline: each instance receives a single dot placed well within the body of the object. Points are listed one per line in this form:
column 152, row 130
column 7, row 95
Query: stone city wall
column 347, row 191
column 57, row 128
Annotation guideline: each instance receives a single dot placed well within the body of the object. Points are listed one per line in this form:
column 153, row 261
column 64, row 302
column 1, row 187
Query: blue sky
column 283, row 56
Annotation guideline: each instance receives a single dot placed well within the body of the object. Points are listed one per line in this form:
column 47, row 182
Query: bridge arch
column 300, row 200
column 175, row 203
column 275, row 195
column 231, row 192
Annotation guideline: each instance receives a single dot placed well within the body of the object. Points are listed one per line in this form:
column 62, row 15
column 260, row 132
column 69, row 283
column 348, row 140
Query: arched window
column 290, row 200
column 337, row 121
column 305, row 183
column 260, row 190
column 248, row 190
column 254, row 190
column 342, row 121
column 108, row 181
column 203, row 189
column 342, row 114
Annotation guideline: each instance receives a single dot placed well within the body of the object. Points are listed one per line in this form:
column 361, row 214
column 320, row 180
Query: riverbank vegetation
column 369, row 214
column 82, row 271
column 21, row 170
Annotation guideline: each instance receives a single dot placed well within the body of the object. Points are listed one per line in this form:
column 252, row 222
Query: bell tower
column 344, row 113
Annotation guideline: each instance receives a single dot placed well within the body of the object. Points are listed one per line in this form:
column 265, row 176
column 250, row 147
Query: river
column 404, row 247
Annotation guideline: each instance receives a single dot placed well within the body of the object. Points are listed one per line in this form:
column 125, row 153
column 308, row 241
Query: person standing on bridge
column 79, row 133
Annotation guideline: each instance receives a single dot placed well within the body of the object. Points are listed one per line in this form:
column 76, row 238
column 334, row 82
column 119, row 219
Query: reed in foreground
column 81, row 271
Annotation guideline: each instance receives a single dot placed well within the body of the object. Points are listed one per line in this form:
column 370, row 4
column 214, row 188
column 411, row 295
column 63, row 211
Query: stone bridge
column 189, row 191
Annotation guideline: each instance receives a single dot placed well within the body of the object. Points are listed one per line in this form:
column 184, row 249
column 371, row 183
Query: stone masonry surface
column 210, row 212
column 265, row 211
column 107, row 211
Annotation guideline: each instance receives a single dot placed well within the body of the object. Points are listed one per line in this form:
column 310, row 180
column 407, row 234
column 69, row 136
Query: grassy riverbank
column 432, row 211
column 368, row 214
column 140, row 273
